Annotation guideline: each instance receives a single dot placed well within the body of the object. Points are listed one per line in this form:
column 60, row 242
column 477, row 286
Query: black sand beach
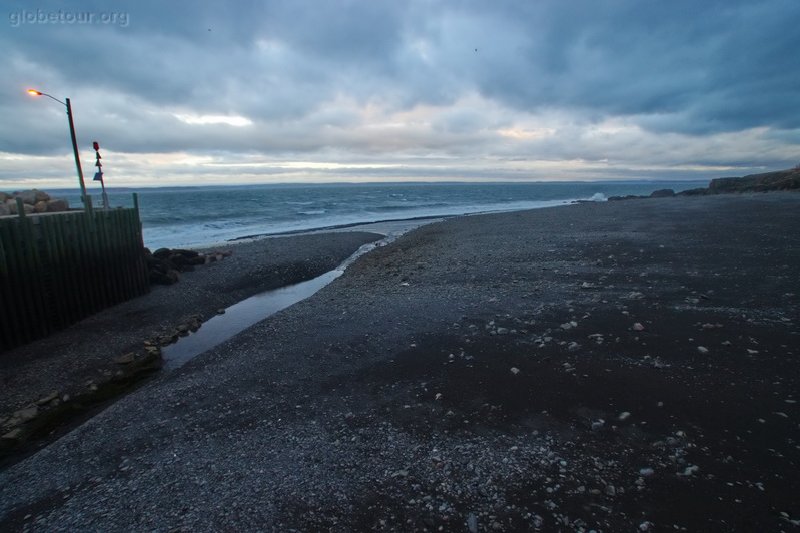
column 602, row 366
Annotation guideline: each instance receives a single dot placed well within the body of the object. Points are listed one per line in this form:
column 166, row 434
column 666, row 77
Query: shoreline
column 366, row 226
column 510, row 370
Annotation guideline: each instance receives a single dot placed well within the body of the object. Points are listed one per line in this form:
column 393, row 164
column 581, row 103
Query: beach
column 607, row 366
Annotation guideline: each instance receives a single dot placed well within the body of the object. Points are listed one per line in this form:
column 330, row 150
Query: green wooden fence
column 58, row 268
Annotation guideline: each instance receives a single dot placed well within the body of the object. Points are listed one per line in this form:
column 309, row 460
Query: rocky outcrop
column 699, row 191
column 33, row 200
column 662, row 193
column 781, row 180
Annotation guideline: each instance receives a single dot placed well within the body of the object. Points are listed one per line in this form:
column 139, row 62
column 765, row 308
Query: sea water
column 192, row 217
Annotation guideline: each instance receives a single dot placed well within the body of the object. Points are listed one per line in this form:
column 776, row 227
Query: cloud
column 515, row 89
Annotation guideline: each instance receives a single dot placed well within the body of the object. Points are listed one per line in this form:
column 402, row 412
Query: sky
column 193, row 93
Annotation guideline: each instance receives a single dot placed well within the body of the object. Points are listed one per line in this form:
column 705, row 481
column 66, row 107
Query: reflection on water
column 240, row 316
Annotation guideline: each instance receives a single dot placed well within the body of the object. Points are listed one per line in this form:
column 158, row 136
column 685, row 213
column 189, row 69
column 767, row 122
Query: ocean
column 193, row 217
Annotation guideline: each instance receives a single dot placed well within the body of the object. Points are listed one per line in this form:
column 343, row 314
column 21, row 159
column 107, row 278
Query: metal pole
column 75, row 150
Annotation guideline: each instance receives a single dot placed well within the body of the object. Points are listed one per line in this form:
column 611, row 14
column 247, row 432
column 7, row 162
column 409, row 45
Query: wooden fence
column 58, row 268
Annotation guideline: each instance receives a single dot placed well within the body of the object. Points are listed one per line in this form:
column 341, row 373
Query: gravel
column 386, row 400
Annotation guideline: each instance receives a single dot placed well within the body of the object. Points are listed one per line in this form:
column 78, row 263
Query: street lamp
column 34, row 92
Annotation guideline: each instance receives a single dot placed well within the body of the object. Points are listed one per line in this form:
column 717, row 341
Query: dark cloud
column 547, row 81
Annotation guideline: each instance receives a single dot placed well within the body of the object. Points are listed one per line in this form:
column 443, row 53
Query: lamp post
column 74, row 141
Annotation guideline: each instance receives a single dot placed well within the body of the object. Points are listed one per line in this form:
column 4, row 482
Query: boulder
column 28, row 197
column 662, row 193
column 12, row 207
column 4, row 210
column 4, row 196
column 57, row 204
column 40, row 207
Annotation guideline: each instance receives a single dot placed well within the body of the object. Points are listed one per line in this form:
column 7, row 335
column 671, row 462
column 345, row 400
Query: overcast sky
column 277, row 91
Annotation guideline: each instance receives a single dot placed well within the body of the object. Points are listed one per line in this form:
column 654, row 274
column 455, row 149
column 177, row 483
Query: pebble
column 637, row 327
column 515, row 370
column 29, row 413
column 690, row 470
column 624, row 415
column 702, row 349
column 472, row 523
column 49, row 398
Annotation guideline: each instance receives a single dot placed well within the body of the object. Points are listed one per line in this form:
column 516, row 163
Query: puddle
column 241, row 316
column 244, row 314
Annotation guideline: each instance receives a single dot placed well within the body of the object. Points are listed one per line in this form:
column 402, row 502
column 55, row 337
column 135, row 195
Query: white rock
column 702, row 349
column 624, row 415
column 515, row 370
column 691, row 470
column 637, row 327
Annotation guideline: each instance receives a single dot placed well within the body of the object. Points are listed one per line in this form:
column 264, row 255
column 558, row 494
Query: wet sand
column 617, row 366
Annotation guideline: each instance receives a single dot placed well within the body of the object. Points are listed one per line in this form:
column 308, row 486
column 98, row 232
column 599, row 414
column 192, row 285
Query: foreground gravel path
column 619, row 366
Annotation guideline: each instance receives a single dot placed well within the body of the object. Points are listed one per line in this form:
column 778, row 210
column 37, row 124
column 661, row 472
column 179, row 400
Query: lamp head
column 34, row 92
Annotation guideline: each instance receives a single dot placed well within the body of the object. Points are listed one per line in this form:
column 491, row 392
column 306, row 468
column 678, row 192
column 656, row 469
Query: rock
column 57, row 205
column 40, row 207
column 627, row 197
column 598, row 424
column 611, row 490
column 12, row 207
column 167, row 278
column 691, row 470
column 702, row 349
column 646, row 471
column 573, row 346
column 125, row 359
column 4, row 210
column 515, row 370
column 49, row 398
column 472, row 523
column 29, row 413
column 502, row 331
column 14, row 434
column 29, row 196
column 780, row 180
column 624, row 416
column 662, row 193
column 700, row 191
column 637, row 327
